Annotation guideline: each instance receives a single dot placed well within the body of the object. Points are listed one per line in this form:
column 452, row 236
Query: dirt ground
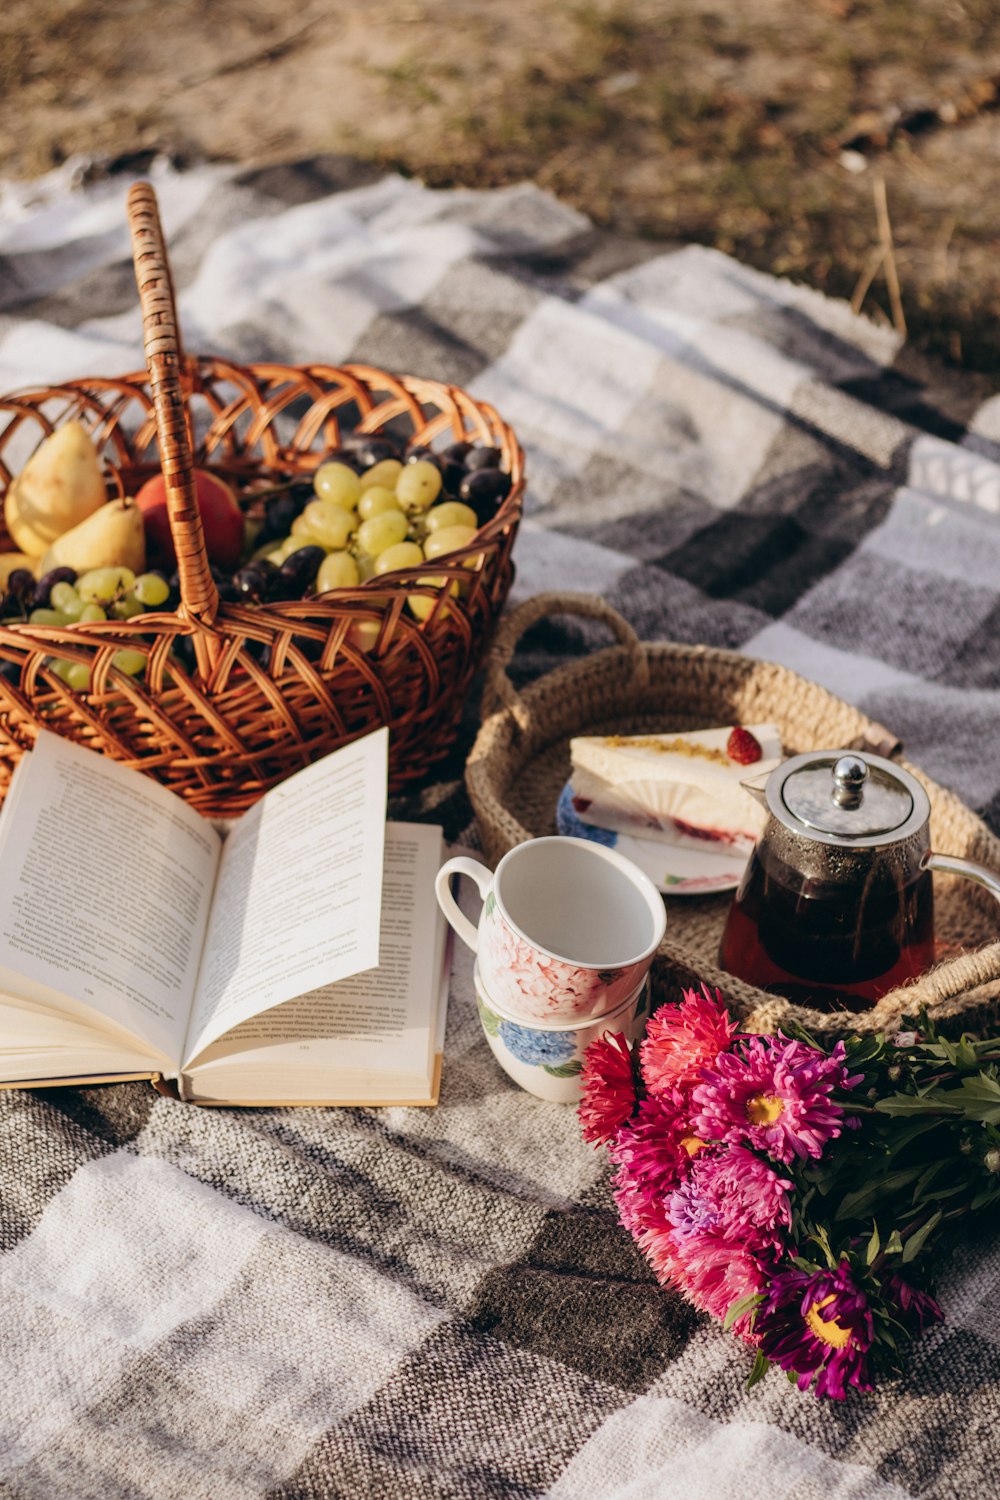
column 852, row 144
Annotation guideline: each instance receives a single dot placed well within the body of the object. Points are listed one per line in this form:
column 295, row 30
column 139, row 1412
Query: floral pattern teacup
column 568, row 929
column 548, row 1060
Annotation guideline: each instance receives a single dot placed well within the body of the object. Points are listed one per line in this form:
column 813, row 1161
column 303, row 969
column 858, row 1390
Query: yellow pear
column 60, row 486
column 113, row 537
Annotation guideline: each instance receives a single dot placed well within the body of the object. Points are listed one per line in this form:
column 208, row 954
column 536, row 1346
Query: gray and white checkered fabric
column 407, row 1303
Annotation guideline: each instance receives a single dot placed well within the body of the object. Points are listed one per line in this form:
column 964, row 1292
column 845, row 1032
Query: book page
column 298, row 895
column 107, row 883
column 381, row 1022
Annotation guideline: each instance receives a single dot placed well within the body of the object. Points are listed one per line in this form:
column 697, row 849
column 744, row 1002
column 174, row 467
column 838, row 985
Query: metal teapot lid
column 847, row 797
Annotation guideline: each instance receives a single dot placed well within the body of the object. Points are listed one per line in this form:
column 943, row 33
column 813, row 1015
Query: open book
column 296, row 958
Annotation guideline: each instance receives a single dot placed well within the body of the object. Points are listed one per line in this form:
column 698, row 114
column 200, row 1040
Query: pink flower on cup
column 527, row 981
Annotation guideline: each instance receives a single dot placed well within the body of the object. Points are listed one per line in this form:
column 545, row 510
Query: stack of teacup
column 563, row 949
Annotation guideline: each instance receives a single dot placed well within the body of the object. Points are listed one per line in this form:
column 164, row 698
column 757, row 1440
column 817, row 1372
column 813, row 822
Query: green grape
column 58, row 667
column 338, row 484
column 130, row 662
column 90, row 613
column 422, row 605
column 402, row 555
column 338, row 570
column 331, row 526
column 383, row 531
column 150, row 589
column 363, row 634
column 127, row 608
column 64, row 596
column 381, row 474
column 77, row 674
column 450, row 513
column 74, row 611
column 418, row 486
column 448, row 539
column 48, row 617
column 376, row 501
column 105, row 584
column 366, row 567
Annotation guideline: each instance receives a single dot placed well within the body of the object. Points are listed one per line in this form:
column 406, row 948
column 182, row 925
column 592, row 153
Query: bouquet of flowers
column 794, row 1189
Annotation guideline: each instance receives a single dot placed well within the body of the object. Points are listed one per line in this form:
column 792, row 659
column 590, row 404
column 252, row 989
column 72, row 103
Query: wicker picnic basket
column 520, row 762
column 224, row 729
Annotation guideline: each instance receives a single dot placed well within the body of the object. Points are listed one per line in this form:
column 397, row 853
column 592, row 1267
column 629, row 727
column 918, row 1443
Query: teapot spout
column 756, row 786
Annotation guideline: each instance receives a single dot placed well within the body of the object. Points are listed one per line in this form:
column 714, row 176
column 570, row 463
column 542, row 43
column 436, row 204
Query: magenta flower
column 737, row 1198
column 914, row 1309
column 608, row 1097
column 774, row 1094
column 654, row 1151
column 819, row 1326
column 683, row 1039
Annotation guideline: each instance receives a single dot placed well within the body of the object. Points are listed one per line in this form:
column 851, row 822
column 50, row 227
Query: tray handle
column 500, row 689
column 166, row 364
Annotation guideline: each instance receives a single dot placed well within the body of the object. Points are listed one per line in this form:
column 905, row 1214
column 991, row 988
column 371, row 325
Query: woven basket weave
column 222, row 733
column 520, row 762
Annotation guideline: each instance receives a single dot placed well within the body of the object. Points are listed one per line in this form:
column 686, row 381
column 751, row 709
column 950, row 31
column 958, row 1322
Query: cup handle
column 442, row 889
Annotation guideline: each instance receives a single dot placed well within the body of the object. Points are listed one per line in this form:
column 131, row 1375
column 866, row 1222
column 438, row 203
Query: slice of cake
column 682, row 788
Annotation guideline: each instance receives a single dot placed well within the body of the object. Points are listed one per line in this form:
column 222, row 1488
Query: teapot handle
column 950, row 864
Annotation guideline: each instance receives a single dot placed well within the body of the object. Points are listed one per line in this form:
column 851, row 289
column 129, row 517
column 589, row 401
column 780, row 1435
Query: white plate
column 675, row 872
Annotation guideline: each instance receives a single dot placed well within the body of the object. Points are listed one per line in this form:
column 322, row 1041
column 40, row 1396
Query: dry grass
column 687, row 120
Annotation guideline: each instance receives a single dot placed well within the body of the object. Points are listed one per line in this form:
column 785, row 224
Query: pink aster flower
column 737, row 1198
column 713, row 1274
column 683, row 1039
column 819, row 1326
column 608, row 1085
column 774, row 1094
column 654, row 1151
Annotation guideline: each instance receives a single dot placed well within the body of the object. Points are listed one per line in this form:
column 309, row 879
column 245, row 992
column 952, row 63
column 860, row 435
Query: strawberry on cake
column 683, row 789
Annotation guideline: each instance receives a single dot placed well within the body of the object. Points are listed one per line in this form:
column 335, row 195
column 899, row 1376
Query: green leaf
column 491, row 904
column 874, row 1245
column 907, row 1104
column 740, row 1306
column 914, row 1245
column 856, row 1205
column 489, row 1018
column 894, row 1245
column 761, row 1365
column 564, row 1070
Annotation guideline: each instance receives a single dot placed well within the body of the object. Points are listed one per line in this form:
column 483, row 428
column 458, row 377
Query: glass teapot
column 836, row 906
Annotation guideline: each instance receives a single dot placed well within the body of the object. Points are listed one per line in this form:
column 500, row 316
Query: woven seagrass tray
column 265, row 689
column 520, row 762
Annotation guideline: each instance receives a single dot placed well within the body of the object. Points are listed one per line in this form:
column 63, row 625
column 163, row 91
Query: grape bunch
column 372, row 508
column 62, row 597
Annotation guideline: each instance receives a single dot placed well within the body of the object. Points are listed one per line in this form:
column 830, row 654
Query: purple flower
column 819, row 1326
column 737, row 1198
column 774, row 1094
column 915, row 1310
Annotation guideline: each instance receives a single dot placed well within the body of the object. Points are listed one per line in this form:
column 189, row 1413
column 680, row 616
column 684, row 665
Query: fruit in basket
column 59, row 487
column 418, row 486
column 111, row 537
column 14, row 562
column 221, row 520
column 339, row 484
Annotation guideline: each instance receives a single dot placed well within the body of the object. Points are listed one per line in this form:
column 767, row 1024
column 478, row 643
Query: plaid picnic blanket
column 439, row 1303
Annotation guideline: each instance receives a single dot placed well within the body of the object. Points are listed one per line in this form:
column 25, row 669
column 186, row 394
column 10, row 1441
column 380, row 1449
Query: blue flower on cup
column 538, row 1048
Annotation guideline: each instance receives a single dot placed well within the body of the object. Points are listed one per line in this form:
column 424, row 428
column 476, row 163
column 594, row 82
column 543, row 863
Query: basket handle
column 165, row 362
column 500, row 689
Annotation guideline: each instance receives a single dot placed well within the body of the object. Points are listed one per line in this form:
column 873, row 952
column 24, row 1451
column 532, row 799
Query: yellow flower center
column 764, row 1109
column 692, row 1145
column 830, row 1333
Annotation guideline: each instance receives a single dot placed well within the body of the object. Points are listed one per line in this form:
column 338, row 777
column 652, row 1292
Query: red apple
column 221, row 520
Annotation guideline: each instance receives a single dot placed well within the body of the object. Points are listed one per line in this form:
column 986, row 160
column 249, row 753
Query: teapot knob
column 849, row 776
